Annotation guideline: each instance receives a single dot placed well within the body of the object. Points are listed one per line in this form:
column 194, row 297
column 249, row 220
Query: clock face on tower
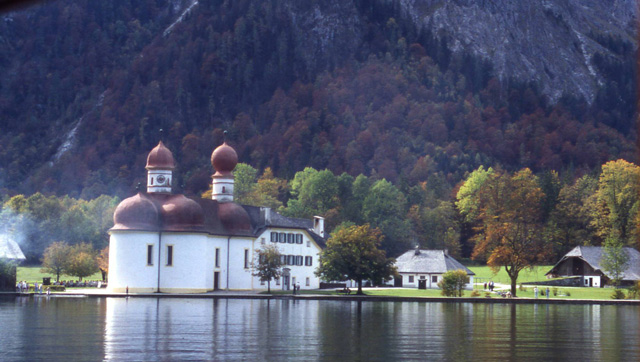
column 161, row 180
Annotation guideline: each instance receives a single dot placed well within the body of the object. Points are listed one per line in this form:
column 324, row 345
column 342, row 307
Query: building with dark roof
column 10, row 250
column 165, row 242
column 423, row 269
column 586, row 261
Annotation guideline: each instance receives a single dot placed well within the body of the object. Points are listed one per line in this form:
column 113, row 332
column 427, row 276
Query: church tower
column 224, row 160
column 160, row 165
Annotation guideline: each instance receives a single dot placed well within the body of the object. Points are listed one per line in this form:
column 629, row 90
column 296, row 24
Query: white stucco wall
column 194, row 262
column 128, row 261
column 192, row 268
column 299, row 272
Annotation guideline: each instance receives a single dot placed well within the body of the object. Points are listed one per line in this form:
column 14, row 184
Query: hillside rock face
column 550, row 42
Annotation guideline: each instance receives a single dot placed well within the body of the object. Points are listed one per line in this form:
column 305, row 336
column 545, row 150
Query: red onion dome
column 160, row 158
column 181, row 213
column 234, row 217
column 136, row 213
column 224, row 159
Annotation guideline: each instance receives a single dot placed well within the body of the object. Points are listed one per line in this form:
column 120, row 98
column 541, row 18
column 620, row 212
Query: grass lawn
column 32, row 274
column 484, row 274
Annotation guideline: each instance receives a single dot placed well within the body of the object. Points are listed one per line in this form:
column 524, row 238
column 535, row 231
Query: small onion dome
column 233, row 217
column 160, row 158
column 224, row 159
column 181, row 213
column 136, row 213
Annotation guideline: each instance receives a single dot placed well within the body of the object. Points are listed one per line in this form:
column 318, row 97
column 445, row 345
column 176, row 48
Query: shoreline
column 346, row 298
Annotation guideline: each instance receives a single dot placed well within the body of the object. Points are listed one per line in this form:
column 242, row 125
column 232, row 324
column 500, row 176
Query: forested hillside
column 348, row 86
column 376, row 91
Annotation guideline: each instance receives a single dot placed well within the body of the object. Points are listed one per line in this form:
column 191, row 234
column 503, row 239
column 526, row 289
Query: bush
column 634, row 291
column 568, row 294
column 453, row 283
column 475, row 294
column 617, row 294
column 487, row 295
column 555, row 292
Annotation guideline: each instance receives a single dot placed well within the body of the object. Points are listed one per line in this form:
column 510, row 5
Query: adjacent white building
column 165, row 242
column 423, row 269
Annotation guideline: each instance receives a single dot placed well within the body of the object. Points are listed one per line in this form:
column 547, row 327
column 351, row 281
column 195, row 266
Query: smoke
column 21, row 229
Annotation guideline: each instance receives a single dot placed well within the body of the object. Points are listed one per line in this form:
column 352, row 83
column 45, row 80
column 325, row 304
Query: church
column 163, row 242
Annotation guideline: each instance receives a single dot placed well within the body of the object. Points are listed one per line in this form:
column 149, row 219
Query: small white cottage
column 423, row 269
column 170, row 243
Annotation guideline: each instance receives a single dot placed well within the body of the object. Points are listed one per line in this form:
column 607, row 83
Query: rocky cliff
column 550, row 42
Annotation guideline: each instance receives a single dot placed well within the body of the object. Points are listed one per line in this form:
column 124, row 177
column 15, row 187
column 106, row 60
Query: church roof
column 593, row 256
column 428, row 261
column 9, row 249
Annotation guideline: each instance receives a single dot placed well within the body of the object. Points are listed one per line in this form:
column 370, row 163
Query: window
column 283, row 238
column 298, row 238
column 262, row 241
column 224, row 190
column 217, row 257
column 291, row 260
column 169, row 255
column 308, row 282
column 411, row 279
column 149, row 254
column 274, row 237
column 283, row 259
column 308, row 260
column 299, row 260
column 261, row 282
column 308, row 243
column 434, row 279
column 422, row 277
column 277, row 281
column 290, row 238
column 246, row 258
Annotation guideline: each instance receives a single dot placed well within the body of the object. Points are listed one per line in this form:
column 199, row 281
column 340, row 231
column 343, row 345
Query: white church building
column 169, row 243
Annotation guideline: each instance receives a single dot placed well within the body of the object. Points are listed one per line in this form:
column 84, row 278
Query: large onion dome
column 181, row 213
column 160, row 157
column 234, row 217
column 224, row 159
column 136, row 213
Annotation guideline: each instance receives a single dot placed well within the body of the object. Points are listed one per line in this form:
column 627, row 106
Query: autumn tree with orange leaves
column 509, row 232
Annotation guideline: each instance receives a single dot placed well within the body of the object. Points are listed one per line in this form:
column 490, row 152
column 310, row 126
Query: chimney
column 417, row 249
column 446, row 252
column 318, row 225
column 266, row 215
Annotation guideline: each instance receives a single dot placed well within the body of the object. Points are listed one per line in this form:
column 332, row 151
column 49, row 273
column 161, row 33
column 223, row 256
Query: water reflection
column 274, row 330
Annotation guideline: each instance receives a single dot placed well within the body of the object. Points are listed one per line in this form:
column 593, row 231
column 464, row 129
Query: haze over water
column 235, row 329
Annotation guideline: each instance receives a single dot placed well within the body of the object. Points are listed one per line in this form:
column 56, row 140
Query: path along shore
column 98, row 293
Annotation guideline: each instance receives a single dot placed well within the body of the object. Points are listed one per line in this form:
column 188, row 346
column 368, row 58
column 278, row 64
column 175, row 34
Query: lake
column 147, row 329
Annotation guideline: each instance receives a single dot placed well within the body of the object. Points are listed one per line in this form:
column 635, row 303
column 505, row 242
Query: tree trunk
column 360, row 287
column 269, row 286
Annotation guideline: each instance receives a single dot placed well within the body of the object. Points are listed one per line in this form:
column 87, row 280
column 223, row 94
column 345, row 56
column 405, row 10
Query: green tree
column 7, row 275
column 453, row 282
column 384, row 208
column 510, row 214
column 244, row 182
column 55, row 259
column 618, row 202
column 268, row 265
column 82, row 261
column 467, row 197
column 353, row 252
column 615, row 259
column 314, row 192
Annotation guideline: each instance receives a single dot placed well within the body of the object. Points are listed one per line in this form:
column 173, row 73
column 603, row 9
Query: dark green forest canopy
column 104, row 77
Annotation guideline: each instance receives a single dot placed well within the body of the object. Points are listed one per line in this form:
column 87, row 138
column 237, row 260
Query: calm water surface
column 169, row 329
